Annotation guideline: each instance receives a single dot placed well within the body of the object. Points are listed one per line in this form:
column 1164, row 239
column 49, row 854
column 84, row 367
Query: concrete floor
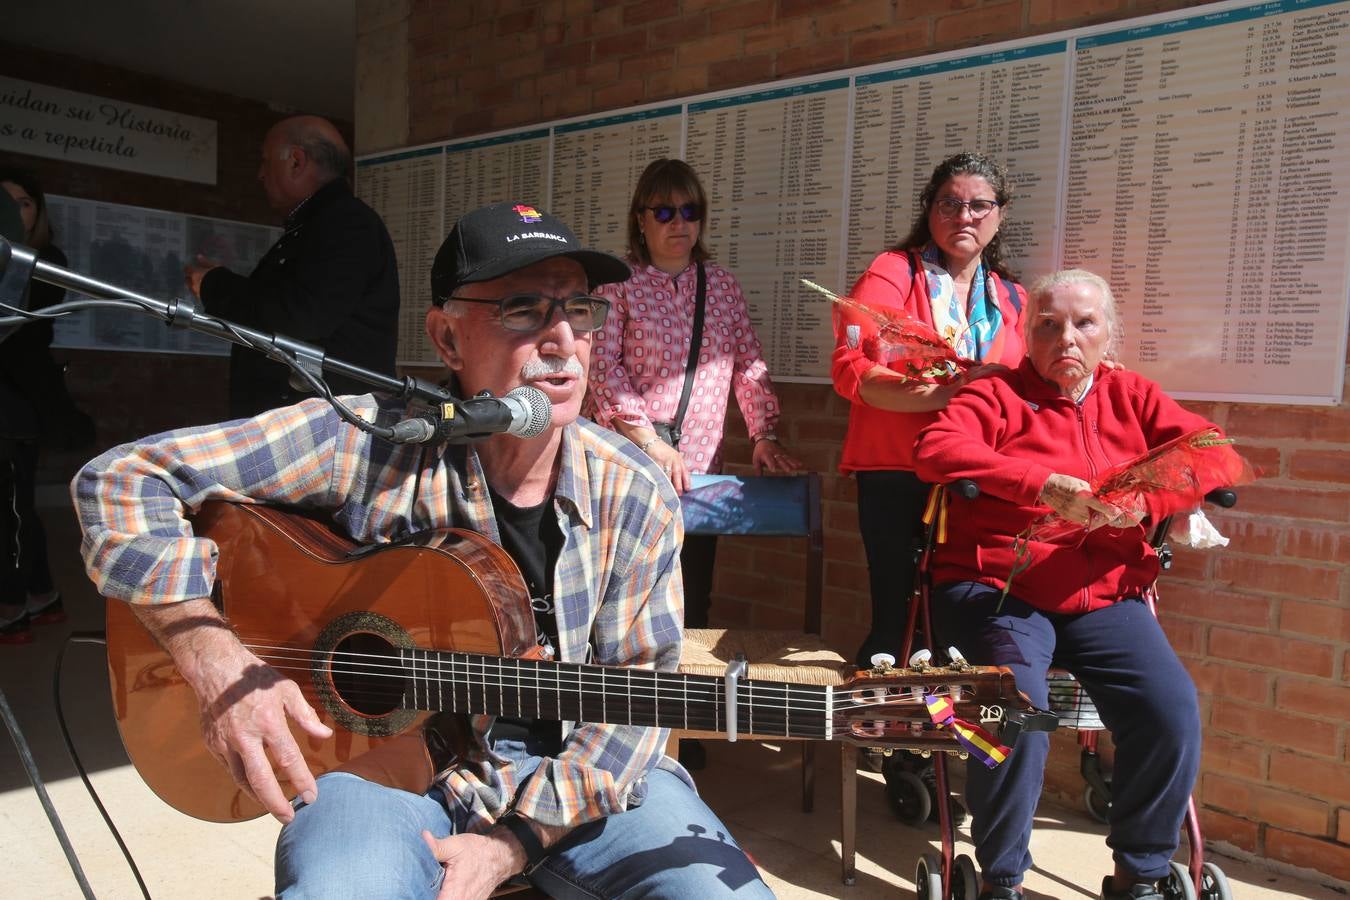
column 752, row 786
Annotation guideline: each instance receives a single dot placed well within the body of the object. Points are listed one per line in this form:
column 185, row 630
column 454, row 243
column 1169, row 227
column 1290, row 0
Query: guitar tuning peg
column 883, row 661
column 957, row 659
column 920, row 659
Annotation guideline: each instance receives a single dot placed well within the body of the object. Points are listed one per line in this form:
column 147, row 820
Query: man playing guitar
column 594, row 526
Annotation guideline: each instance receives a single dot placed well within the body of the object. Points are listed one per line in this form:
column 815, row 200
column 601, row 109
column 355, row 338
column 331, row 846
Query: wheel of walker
column 909, row 797
column 965, row 881
column 1098, row 807
column 928, row 878
column 1213, row 883
column 1178, row 885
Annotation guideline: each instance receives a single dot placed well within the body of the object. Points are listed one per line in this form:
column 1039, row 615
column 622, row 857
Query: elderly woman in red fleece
column 1033, row 438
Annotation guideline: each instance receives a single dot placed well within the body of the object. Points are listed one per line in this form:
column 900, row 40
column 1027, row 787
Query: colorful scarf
column 970, row 328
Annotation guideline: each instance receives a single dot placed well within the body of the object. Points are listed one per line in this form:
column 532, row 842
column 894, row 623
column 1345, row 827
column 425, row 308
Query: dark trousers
column 697, row 559
column 1145, row 697
column 11, row 572
column 37, row 574
column 890, row 510
column 23, row 541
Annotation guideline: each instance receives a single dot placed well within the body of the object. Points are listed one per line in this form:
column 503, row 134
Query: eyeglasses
column 950, row 207
column 532, row 312
column 690, row 212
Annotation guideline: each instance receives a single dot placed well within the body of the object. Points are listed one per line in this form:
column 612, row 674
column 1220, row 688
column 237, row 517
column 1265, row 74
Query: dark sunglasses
column 690, row 212
column 533, row 312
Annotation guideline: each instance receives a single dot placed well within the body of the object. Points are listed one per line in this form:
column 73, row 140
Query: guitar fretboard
column 543, row 689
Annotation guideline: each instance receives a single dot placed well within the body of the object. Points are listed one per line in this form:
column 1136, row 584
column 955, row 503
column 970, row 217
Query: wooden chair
column 773, row 506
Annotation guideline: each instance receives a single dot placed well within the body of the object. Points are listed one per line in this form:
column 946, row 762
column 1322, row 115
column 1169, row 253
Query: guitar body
column 322, row 600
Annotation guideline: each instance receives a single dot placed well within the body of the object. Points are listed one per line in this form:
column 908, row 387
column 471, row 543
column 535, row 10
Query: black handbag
column 670, row 431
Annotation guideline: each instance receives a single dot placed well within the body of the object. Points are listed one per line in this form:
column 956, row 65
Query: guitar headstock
column 883, row 707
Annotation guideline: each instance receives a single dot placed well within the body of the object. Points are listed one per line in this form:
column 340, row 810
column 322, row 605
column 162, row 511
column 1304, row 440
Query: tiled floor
column 753, row 787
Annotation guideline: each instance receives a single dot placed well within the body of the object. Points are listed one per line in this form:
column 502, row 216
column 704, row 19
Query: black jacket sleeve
column 312, row 285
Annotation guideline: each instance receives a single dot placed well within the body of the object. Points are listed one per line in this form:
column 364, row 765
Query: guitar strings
column 769, row 720
column 521, row 674
column 469, row 673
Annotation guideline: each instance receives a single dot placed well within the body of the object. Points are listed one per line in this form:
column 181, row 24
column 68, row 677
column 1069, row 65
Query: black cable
column 90, row 637
column 26, row 755
column 316, row 384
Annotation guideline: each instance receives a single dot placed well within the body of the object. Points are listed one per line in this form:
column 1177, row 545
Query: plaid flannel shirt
column 617, row 582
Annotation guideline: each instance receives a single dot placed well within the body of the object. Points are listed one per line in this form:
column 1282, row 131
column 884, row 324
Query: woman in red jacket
column 949, row 273
column 1034, row 438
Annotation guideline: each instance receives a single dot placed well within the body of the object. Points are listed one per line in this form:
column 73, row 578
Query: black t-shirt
column 532, row 538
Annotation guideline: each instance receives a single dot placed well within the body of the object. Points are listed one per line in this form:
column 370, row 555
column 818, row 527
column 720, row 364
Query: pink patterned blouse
column 638, row 360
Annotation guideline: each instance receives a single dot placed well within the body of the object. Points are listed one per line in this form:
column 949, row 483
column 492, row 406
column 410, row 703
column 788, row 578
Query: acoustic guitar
column 380, row 637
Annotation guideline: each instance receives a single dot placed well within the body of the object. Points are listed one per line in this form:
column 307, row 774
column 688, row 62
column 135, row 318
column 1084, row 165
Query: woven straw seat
column 773, row 655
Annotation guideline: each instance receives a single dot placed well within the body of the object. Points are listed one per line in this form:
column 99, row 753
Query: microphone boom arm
column 308, row 359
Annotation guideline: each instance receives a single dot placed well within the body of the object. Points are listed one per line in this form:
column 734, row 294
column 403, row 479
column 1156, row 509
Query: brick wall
column 133, row 394
column 1264, row 626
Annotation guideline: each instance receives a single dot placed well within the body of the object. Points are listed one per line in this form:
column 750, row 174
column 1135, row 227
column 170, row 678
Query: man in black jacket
column 331, row 279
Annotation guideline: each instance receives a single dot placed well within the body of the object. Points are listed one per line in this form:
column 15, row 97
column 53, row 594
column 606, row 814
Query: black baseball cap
column 496, row 240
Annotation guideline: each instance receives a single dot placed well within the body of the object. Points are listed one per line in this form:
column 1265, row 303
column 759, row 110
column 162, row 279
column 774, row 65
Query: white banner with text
column 98, row 131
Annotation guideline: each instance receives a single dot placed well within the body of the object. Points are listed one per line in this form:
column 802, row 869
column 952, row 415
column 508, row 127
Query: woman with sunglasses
column 639, row 357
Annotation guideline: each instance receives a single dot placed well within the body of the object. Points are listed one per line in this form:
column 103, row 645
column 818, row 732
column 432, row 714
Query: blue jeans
column 363, row 840
column 1144, row 695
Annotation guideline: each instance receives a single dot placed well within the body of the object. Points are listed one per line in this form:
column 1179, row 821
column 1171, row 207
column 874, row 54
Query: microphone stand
column 19, row 264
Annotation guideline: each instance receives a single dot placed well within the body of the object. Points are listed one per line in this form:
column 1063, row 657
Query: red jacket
column 1010, row 432
column 878, row 438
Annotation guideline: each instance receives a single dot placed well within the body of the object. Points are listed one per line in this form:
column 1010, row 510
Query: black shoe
column 999, row 892
column 1140, row 890
column 693, row 755
column 960, row 815
column 17, row 630
column 923, row 768
column 49, row 611
column 871, row 760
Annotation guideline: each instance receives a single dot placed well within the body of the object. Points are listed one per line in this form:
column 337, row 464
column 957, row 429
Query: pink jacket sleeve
column 612, row 390
column 750, row 380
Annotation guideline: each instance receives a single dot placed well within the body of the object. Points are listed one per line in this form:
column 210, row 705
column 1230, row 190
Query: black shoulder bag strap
column 695, row 345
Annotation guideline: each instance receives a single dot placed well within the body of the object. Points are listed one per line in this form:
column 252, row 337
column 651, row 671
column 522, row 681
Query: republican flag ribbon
column 979, row 743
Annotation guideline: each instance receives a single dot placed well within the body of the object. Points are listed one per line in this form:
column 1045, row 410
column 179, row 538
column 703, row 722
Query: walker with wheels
column 950, row 876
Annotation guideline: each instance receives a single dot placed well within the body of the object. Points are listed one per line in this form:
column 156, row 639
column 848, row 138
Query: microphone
column 524, row 413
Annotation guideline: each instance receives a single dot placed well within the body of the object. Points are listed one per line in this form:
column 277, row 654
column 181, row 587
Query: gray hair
column 330, row 158
column 316, row 138
column 1046, row 285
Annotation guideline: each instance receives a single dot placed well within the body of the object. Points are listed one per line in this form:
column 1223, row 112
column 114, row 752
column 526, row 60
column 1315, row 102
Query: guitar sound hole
column 367, row 675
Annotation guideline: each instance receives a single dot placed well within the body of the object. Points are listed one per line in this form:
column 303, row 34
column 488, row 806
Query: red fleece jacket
column 1009, row 433
column 878, row 439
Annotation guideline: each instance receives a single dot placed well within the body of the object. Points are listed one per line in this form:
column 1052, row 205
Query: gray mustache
column 544, row 366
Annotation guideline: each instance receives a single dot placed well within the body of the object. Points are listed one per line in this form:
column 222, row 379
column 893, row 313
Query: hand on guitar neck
column 245, row 703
